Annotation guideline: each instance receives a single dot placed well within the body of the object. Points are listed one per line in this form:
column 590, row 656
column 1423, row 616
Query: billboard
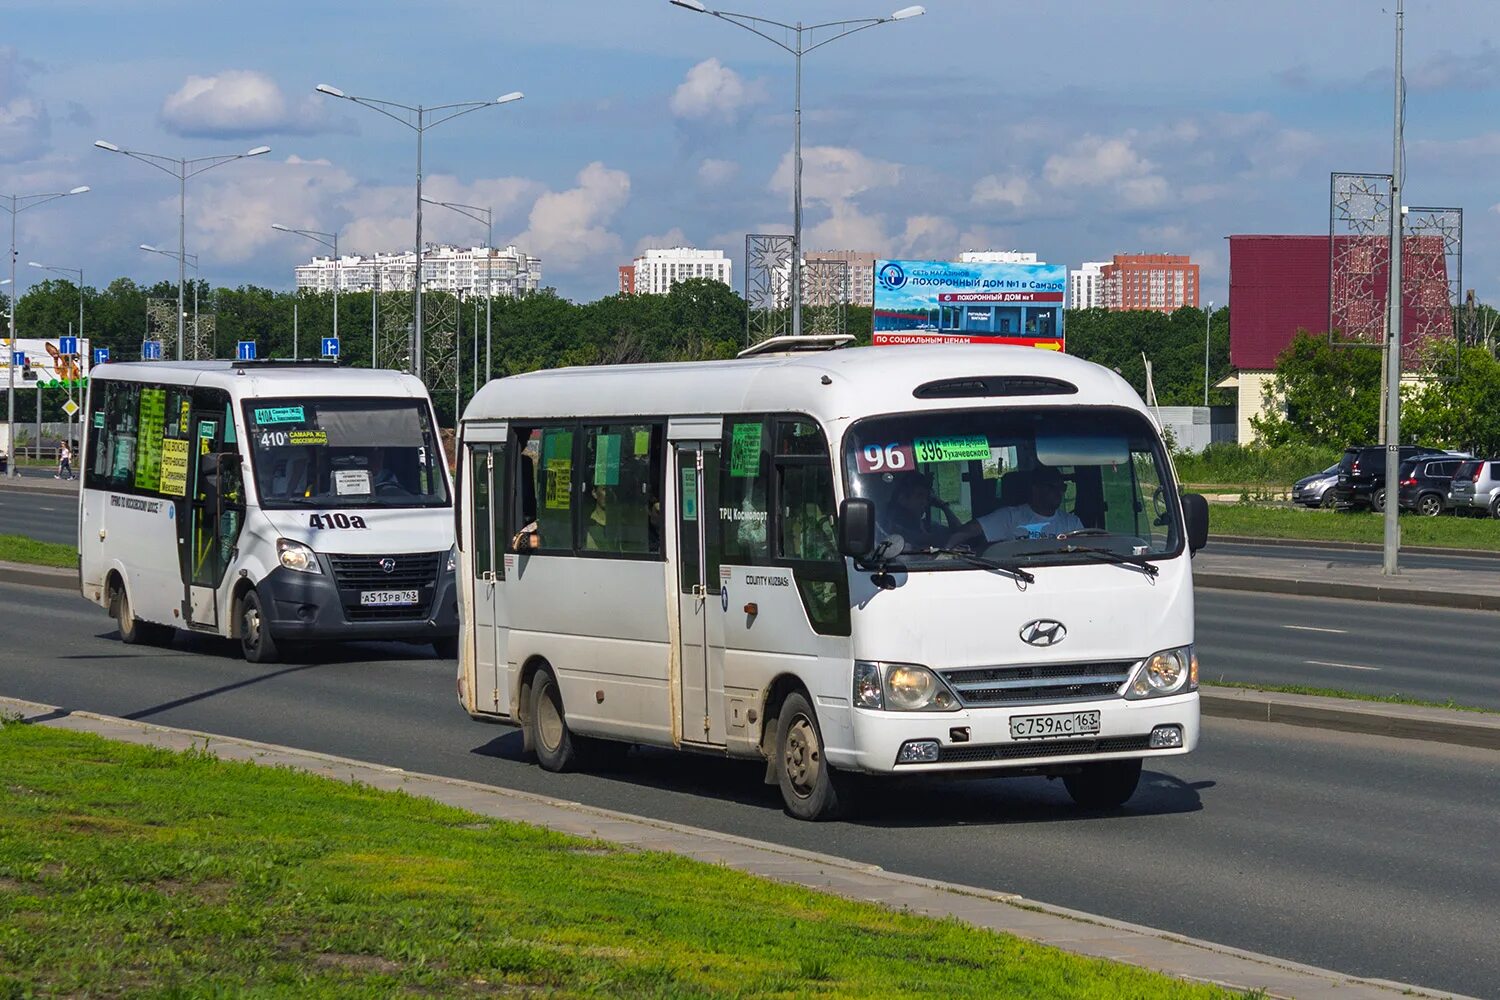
column 938, row 301
column 45, row 365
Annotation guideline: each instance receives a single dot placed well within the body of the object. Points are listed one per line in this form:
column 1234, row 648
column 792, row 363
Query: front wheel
column 1104, row 785
column 256, row 642
column 810, row 788
column 1429, row 505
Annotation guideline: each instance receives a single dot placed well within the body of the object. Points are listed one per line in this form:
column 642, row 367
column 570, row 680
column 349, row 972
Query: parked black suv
column 1362, row 474
column 1425, row 483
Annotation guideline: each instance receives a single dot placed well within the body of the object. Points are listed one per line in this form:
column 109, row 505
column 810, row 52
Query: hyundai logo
column 388, row 564
column 1043, row 632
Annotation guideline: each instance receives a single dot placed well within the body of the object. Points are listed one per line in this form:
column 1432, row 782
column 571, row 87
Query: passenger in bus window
column 1041, row 516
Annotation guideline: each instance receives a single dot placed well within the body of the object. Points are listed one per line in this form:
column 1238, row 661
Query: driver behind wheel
column 380, row 475
column 908, row 513
column 1041, row 517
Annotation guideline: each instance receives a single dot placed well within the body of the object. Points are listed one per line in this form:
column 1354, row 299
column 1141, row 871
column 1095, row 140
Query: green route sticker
column 607, row 460
column 970, row 448
column 642, row 442
column 744, row 451
column 98, row 418
column 279, row 415
column 153, row 414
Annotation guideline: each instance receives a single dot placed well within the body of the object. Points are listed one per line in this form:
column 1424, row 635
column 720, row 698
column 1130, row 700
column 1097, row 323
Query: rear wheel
column 256, row 642
column 1377, row 501
column 1104, row 785
column 810, row 787
column 550, row 736
column 1429, row 505
column 133, row 631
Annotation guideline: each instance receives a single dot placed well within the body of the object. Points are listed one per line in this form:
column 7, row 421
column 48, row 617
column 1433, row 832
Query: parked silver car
column 1476, row 487
column 1313, row 490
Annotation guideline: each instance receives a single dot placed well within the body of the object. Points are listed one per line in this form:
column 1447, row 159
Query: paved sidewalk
column 1311, row 576
column 1069, row 930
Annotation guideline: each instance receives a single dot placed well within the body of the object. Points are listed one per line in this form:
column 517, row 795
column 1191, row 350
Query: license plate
column 1035, row 727
column 387, row 598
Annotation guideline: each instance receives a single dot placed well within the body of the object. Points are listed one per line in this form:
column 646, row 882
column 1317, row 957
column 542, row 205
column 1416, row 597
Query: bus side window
column 478, row 461
column 618, row 483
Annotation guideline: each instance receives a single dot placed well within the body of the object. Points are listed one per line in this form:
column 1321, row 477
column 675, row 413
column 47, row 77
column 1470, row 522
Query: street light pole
column 799, row 31
column 1392, row 536
column 1208, row 327
column 330, row 240
column 15, row 204
column 183, row 260
column 416, row 119
column 68, row 271
column 183, row 169
column 486, row 216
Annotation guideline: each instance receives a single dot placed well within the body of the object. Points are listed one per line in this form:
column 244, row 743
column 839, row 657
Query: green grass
column 128, row 870
column 1227, row 463
column 1446, row 531
column 1322, row 692
column 20, row 549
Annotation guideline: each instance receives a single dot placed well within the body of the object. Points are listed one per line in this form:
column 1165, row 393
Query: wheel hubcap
column 252, row 628
column 802, row 758
column 549, row 724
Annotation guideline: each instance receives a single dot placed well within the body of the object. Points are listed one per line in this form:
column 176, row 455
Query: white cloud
column 713, row 172
column 835, row 173
column 673, row 237
column 238, row 103
column 25, row 125
column 567, row 228
column 1092, row 161
column 713, row 91
column 993, row 189
column 231, row 213
column 846, row 228
column 929, row 236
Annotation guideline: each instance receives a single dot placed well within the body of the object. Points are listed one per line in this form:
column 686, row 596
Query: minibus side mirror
column 1195, row 516
column 857, row 527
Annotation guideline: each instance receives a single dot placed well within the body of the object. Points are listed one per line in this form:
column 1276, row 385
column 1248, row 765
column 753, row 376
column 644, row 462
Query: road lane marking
column 1314, row 628
column 1346, row 666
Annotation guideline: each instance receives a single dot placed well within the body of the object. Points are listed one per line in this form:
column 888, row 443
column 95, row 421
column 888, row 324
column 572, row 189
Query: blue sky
column 1075, row 129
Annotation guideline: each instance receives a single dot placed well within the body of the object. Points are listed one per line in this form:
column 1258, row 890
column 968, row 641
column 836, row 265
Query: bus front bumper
column 979, row 739
column 309, row 606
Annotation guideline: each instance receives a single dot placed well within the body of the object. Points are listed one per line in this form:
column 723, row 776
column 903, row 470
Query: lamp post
column 70, row 271
column 1391, row 546
column 182, row 169
column 15, row 204
column 486, row 216
column 1208, row 326
column 330, row 240
column 417, row 119
column 192, row 259
column 758, row 25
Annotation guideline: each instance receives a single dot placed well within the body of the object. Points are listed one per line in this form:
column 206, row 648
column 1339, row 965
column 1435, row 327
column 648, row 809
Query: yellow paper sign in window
column 174, row 467
column 559, row 483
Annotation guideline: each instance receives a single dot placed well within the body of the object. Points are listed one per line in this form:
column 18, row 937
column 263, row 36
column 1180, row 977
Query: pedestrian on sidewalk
column 64, row 461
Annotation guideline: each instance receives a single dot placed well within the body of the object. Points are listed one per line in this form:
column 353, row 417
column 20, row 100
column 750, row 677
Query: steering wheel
column 953, row 522
column 1159, row 505
column 389, row 489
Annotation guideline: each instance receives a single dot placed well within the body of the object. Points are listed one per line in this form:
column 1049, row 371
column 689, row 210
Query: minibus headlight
column 900, row 687
column 296, row 556
column 1171, row 671
column 452, row 559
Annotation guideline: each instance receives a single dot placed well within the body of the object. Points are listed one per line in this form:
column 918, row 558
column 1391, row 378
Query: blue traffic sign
column 330, row 347
column 67, row 345
column 245, row 350
column 18, row 359
column 150, row 350
column 101, row 355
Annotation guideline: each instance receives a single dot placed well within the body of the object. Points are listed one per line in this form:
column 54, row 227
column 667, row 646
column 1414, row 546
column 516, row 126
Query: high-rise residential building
column 998, row 257
column 861, row 286
column 627, row 279
column 507, row 272
column 654, row 272
column 1086, row 286
column 1158, row 281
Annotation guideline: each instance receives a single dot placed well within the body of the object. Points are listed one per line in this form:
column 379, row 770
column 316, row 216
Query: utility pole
column 1390, row 563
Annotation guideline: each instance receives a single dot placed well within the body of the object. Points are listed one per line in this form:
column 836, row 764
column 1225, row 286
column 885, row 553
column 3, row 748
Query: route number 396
column 885, row 458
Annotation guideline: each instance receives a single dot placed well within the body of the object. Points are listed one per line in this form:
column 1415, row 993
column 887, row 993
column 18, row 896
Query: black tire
column 1495, row 507
column 1325, row 501
column 1105, row 785
column 256, row 642
column 447, row 648
column 1429, row 505
column 133, row 631
column 810, row 788
column 551, row 739
column 1377, row 501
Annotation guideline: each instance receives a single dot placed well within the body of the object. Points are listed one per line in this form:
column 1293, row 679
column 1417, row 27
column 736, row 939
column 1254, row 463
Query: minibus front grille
column 1025, row 749
column 354, row 574
column 1038, row 683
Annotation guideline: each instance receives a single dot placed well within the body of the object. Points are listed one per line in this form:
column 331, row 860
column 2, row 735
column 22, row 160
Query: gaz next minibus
column 878, row 561
column 272, row 502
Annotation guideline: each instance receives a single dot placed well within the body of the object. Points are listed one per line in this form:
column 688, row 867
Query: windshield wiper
column 980, row 561
column 1108, row 555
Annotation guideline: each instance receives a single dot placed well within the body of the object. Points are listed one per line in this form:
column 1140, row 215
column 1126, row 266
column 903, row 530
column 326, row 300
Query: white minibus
column 276, row 503
column 866, row 561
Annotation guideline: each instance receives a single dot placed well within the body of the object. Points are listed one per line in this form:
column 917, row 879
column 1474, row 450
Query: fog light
column 918, row 752
column 1165, row 737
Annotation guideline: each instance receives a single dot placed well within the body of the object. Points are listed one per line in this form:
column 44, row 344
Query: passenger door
column 217, row 511
column 485, row 467
column 700, row 614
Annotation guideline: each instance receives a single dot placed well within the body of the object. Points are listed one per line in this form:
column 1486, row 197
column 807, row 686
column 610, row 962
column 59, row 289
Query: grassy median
column 127, row 870
column 20, row 549
column 1326, row 692
column 1447, row 530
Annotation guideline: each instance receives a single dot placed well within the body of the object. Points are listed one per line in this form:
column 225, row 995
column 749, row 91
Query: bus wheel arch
column 528, row 674
column 242, row 586
column 770, row 713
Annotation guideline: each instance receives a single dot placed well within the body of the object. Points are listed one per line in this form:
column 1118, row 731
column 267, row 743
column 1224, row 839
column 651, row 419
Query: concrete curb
column 1406, row 722
column 1070, row 930
column 1303, row 543
column 39, row 576
column 1377, row 592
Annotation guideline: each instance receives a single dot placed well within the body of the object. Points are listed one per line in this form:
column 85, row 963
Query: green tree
column 1321, row 394
column 1461, row 411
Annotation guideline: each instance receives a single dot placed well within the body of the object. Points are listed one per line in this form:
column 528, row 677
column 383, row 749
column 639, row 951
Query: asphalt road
column 46, row 515
column 1359, row 557
column 1362, row 854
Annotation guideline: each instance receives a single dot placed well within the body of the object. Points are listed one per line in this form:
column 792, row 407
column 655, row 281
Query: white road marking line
column 1346, row 666
column 1314, row 628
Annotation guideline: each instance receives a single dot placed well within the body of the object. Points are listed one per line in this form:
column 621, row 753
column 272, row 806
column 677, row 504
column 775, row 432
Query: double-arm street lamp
column 486, row 216
column 70, row 271
column 15, row 204
column 330, row 240
column 192, row 261
column 800, row 36
column 182, row 169
column 419, row 119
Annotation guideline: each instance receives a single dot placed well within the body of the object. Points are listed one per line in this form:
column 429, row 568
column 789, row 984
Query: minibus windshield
column 1019, row 486
column 345, row 452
